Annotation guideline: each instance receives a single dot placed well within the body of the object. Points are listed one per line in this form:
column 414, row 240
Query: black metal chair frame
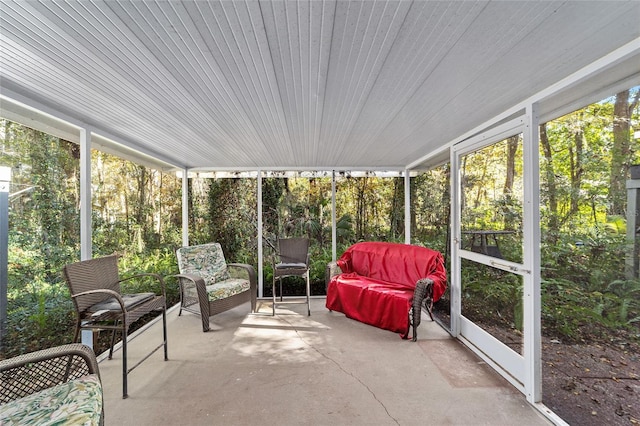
column 293, row 255
column 95, row 289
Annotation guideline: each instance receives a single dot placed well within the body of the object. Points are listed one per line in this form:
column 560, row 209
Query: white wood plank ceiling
column 298, row 84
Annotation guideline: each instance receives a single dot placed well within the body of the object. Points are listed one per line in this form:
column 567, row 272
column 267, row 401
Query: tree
column 272, row 192
column 396, row 212
column 621, row 152
column 231, row 211
column 549, row 176
column 509, row 204
column 512, row 149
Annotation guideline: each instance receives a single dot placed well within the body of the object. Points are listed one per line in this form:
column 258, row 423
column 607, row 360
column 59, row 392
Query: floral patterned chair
column 206, row 285
column 60, row 385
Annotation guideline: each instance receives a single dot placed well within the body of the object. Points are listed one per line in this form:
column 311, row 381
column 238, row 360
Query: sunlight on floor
column 288, row 337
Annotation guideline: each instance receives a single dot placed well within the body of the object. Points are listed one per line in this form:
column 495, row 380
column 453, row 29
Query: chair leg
column 423, row 292
column 273, row 294
column 308, row 294
column 429, row 304
column 428, row 300
column 181, row 296
column 76, row 334
column 205, row 311
column 164, row 333
column 113, row 341
column 124, row 362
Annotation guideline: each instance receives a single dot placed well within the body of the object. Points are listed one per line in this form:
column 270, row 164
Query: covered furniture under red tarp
column 378, row 282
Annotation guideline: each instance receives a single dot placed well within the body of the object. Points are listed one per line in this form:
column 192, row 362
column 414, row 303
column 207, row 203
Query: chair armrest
column 191, row 277
column 111, row 293
column 39, row 370
column 253, row 281
column 198, row 282
column 331, row 271
column 253, row 278
column 152, row 275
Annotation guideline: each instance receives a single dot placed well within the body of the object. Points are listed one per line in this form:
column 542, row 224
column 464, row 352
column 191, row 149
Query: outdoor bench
column 384, row 284
column 60, row 386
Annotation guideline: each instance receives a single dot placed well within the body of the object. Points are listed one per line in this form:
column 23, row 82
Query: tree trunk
column 412, row 211
column 550, row 177
column 507, row 191
column 575, row 170
column 361, row 186
column 463, row 184
column 396, row 227
column 512, row 149
column 481, row 190
column 141, row 196
column 620, row 152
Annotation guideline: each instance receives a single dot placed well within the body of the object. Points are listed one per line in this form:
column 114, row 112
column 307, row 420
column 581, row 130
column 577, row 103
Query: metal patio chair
column 100, row 305
column 293, row 254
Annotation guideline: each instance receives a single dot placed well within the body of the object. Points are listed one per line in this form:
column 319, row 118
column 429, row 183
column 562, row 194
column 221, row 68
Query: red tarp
column 378, row 280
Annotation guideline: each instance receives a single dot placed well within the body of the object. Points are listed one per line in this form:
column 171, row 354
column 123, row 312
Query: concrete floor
column 296, row 370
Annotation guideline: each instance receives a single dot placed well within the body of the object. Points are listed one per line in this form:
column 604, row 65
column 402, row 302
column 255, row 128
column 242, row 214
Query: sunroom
column 332, row 90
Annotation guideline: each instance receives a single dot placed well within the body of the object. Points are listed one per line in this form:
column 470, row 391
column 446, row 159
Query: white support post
column 455, row 289
column 85, row 194
column 407, row 207
column 633, row 221
column 334, row 231
column 260, row 248
column 532, row 351
column 86, row 336
column 5, row 184
column 185, row 207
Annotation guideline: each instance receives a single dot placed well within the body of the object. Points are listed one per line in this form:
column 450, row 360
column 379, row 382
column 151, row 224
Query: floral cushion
column 227, row 288
column 78, row 402
column 205, row 260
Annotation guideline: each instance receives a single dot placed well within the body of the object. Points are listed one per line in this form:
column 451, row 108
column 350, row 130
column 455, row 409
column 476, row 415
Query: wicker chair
column 206, row 286
column 95, row 289
column 50, row 382
column 293, row 254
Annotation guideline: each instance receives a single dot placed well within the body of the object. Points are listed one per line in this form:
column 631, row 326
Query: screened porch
column 482, row 120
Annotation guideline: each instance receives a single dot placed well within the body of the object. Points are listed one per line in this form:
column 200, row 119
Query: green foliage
column 566, row 309
column 583, row 294
column 161, row 262
column 573, row 313
column 368, row 202
column 344, row 229
column 616, row 225
column 38, row 318
column 231, row 215
column 621, row 301
column 582, row 288
column 320, row 258
column 591, row 259
column 134, row 213
column 490, row 295
column 137, row 213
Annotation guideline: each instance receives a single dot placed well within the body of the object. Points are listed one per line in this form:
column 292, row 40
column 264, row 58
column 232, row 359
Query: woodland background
column 585, row 158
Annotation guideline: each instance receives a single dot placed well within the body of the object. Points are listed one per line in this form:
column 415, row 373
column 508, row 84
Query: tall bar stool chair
column 293, row 255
